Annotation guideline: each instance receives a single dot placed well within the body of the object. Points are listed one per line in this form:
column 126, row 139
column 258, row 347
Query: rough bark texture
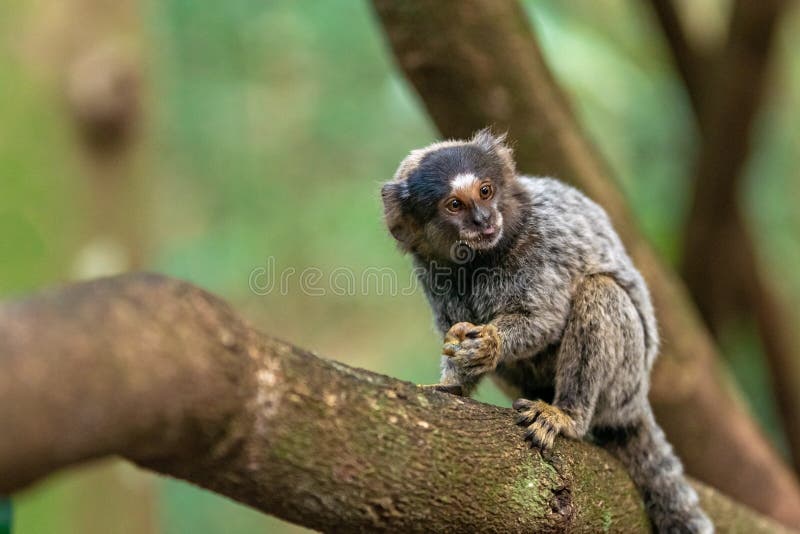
column 168, row 376
column 476, row 62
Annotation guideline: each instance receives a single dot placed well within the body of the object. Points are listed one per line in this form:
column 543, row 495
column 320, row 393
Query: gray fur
column 576, row 325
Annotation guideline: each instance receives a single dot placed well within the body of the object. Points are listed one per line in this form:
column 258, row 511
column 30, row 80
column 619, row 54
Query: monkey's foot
column 543, row 422
column 452, row 389
column 474, row 350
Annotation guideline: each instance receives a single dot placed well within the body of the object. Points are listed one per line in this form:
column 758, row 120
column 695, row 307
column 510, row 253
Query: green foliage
column 5, row 516
column 186, row 508
column 38, row 217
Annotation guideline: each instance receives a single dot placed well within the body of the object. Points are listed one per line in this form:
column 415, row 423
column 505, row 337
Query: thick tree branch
column 476, row 62
column 168, row 376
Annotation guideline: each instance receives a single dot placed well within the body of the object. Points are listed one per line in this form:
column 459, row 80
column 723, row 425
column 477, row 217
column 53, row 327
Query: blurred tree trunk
column 720, row 257
column 175, row 381
column 475, row 63
column 688, row 61
column 103, row 96
column 89, row 51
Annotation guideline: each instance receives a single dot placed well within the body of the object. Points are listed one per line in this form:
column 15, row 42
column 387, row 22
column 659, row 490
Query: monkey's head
column 451, row 193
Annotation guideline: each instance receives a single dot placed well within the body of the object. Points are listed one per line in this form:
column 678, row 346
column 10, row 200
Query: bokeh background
column 202, row 138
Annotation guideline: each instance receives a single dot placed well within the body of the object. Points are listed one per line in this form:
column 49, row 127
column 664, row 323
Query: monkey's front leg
column 471, row 351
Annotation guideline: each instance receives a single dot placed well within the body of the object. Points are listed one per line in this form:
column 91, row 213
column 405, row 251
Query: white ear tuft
column 497, row 144
column 485, row 138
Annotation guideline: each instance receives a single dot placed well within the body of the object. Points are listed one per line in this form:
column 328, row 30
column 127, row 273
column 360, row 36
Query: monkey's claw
column 473, row 349
column 543, row 422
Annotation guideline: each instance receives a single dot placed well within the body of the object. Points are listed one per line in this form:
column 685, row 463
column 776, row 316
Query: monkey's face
column 450, row 194
column 469, row 213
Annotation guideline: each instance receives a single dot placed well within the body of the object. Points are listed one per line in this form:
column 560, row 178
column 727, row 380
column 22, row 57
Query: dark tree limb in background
column 476, row 62
column 688, row 60
column 720, row 259
column 165, row 374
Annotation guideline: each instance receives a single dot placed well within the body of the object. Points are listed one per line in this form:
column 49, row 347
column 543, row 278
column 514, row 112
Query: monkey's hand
column 473, row 350
column 543, row 421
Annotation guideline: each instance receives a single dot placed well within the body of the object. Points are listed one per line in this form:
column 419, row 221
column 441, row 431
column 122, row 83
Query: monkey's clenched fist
column 473, row 350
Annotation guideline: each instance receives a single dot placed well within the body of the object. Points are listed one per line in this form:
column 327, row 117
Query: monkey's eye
column 454, row 204
column 486, row 191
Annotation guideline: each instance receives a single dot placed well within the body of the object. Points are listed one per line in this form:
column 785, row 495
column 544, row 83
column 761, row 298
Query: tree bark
column 476, row 62
column 167, row 375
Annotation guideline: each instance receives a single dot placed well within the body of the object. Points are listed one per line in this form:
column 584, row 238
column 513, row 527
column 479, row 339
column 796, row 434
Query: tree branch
column 733, row 285
column 720, row 258
column 168, row 376
column 715, row 228
column 476, row 62
column 688, row 61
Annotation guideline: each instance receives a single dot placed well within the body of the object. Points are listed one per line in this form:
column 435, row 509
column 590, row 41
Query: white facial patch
column 463, row 182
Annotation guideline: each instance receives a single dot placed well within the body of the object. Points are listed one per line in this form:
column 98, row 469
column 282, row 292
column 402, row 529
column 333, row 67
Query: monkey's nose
column 481, row 219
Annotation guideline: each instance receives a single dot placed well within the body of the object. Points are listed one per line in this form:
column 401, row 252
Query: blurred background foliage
column 263, row 130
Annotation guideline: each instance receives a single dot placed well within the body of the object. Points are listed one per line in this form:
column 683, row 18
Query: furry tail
column 671, row 502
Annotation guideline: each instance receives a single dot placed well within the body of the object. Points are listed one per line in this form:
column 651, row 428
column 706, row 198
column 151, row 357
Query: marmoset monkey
column 530, row 283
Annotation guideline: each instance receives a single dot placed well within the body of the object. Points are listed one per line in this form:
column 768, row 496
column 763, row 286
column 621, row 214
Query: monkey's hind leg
column 601, row 380
column 591, row 350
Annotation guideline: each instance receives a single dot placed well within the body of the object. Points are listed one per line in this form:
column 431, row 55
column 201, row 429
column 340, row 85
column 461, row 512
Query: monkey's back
column 572, row 237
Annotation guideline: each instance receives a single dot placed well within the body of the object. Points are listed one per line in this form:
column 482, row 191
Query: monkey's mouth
column 483, row 239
